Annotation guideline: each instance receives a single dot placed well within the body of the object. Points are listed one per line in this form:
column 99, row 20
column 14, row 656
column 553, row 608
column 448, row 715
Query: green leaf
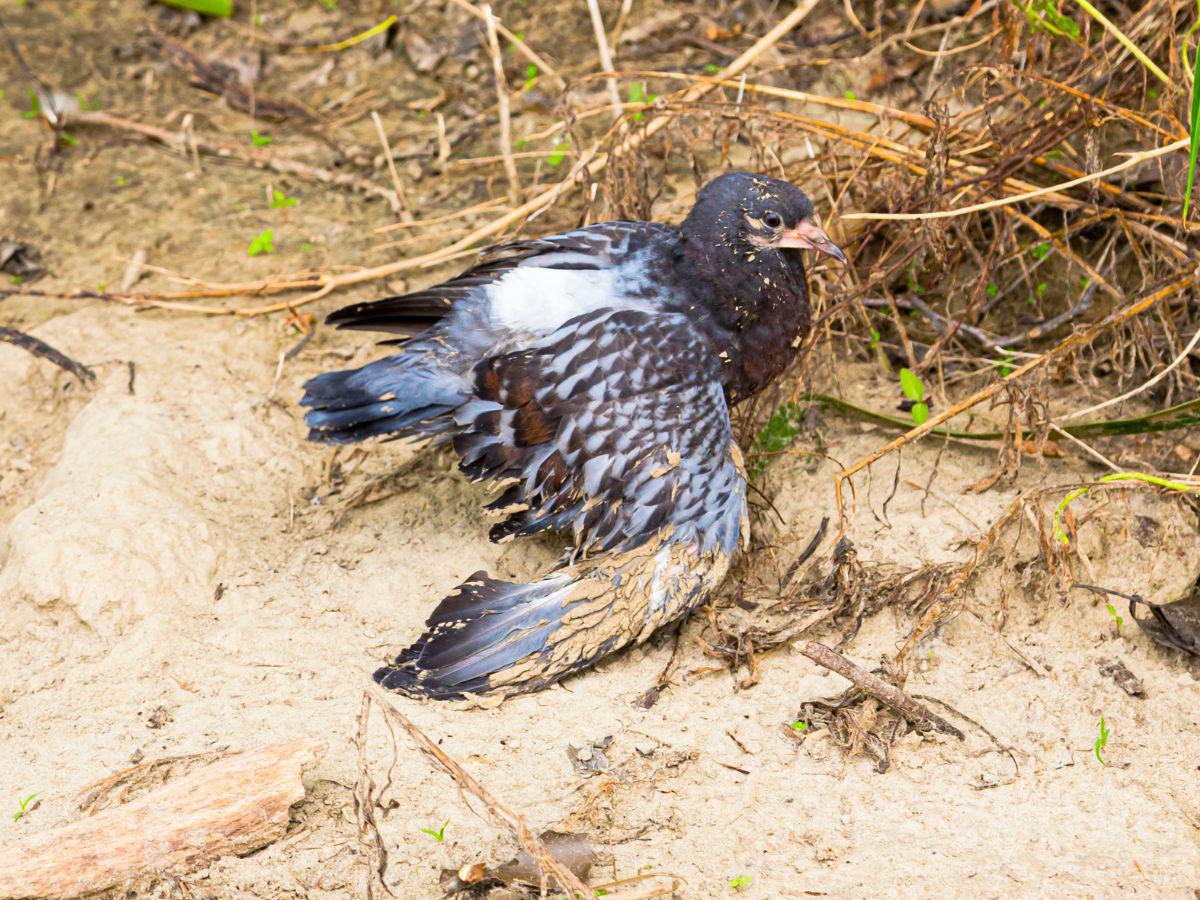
column 531, row 74
column 1041, row 251
column 799, row 726
column 259, row 140
column 262, row 243
column 439, row 835
column 739, row 881
column 556, row 158
column 220, row 8
column 68, row 141
column 1193, row 135
column 850, row 95
column 993, row 289
column 874, row 339
column 279, row 200
column 711, row 69
column 35, row 106
column 911, row 385
column 920, row 412
column 1101, row 742
column 1112, row 611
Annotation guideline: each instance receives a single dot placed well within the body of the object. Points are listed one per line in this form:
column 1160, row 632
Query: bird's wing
column 594, row 247
column 615, row 427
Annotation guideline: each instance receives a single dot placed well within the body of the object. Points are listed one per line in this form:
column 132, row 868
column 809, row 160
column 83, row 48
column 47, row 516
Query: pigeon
column 591, row 373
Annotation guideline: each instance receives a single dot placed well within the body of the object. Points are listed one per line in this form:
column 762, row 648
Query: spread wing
column 615, row 427
column 600, row 246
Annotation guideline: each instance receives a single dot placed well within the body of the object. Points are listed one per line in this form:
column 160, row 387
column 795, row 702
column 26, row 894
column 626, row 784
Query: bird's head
column 745, row 216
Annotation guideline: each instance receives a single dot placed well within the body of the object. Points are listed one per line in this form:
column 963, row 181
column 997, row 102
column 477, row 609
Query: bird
column 591, row 374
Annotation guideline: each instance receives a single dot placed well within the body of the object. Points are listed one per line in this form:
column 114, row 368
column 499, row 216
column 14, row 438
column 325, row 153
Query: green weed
column 260, row 140
column 262, row 244
column 279, row 200
column 911, row 385
column 220, row 8
column 439, row 835
column 1043, row 15
column 637, row 94
column 739, row 881
column 1101, row 742
column 23, row 806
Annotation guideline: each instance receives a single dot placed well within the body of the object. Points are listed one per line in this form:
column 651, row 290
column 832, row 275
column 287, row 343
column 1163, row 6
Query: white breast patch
column 538, row 301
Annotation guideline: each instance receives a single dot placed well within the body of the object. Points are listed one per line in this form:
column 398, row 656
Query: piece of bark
column 230, row 807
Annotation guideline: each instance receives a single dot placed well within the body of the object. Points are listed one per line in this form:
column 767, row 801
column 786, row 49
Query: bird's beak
column 808, row 235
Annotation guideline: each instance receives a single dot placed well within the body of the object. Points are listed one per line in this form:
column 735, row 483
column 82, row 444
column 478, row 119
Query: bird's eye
column 772, row 220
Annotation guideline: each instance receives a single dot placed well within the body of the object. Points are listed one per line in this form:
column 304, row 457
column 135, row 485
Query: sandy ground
column 180, row 571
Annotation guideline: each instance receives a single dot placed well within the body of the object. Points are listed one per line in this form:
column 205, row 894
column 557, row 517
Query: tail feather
column 400, row 395
column 493, row 636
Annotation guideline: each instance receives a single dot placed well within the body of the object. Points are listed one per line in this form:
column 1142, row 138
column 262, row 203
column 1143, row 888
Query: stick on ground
column 878, row 688
column 42, row 350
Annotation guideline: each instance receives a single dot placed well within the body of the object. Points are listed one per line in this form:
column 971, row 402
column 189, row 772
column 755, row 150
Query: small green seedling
column 531, row 74
column 1043, row 15
column 15, row 279
column 799, row 726
column 262, row 244
column 1040, row 251
column 712, row 69
column 24, row 807
column 993, row 289
column 559, row 152
column 874, row 338
column 330, row 5
column 306, row 247
column 914, row 391
column 739, row 881
column 1101, row 742
column 637, row 94
column 1005, row 365
column 279, row 200
column 439, row 835
column 259, row 140
column 1112, row 611
column 35, row 106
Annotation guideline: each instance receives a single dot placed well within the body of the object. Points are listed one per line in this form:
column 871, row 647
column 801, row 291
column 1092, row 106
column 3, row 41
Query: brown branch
column 42, row 350
column 878, row 688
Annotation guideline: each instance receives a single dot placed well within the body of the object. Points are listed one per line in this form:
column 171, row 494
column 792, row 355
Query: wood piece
column 231, row 807
column 878, row 688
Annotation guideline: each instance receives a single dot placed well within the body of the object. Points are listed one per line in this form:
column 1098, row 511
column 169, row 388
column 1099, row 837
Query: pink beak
column 810, row 236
